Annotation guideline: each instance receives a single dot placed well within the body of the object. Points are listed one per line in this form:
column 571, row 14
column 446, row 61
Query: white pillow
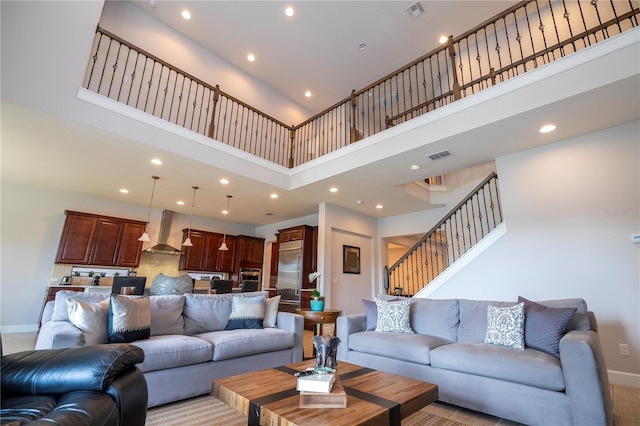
column 393, row 316
column 505, row 326
column 91, row 318
column 271, row 312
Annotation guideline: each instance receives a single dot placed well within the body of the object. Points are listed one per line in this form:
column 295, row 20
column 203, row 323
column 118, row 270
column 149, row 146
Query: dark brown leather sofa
column 88, row 385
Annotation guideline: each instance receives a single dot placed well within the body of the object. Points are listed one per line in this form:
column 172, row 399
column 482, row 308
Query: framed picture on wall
column 350, row 259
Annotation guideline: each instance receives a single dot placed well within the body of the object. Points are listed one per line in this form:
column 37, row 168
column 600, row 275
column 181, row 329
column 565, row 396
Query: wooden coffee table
column 269, row 397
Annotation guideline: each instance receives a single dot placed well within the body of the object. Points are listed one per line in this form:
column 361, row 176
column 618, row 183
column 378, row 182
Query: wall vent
column 415, row 9
column 439, row 155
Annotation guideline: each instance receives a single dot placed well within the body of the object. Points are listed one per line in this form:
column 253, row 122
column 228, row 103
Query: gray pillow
column 435, row 317
column 393, row 317
column 372, row 311
column 271, row 312
column 60, row 310
column 166, row 314
column 206, row 312
column 91, row 318
column 505, row 326
column 544, row 327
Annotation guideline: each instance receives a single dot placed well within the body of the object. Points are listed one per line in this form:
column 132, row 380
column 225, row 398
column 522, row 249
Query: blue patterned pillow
column 505, row 326
column 246, row 312
column 393, row 316
column 129, row 318
column 544, row 327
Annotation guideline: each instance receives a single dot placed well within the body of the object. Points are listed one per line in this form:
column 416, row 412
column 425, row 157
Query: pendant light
column 187, row 242
column 223, row 246
column 145, row 237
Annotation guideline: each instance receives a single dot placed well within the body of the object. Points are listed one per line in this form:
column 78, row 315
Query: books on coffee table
column 321, row 383
column 337, row 398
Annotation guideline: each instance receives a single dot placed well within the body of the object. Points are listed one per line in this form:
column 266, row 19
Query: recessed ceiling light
column 180, row 203
column 414, row 167
column 225, row 211
column 362, row 46
column 358, row 201
column 224, row 181
column 333, row 189
column 379, row 206
column 157, row 162
column 274, row 196
column 124, row 190
column 251, row 57
column 289, row 11
column 186, row 14
column 443, row 39
column 307, row 94
column 547, row 128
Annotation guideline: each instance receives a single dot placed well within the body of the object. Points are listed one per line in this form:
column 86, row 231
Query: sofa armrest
column 59, row 335
column 294, row 323
column 585, row 376
column 345, row 326
column 130, row 392
column 59, row 371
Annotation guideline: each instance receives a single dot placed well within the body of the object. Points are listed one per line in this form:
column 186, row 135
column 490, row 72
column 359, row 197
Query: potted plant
column 317, row 300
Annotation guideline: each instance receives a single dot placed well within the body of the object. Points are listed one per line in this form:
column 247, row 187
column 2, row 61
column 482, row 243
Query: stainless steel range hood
column 163, row 238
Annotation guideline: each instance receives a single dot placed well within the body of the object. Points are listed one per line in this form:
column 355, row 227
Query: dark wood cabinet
column 249, row 251
column 89, row 239
column 205, row 255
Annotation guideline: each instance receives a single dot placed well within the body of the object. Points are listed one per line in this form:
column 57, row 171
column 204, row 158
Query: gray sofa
column 447, row 347
column 187, row 345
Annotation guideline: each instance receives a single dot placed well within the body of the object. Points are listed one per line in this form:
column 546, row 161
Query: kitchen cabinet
column 249, row 251
column 204, row 254
column 89, row 239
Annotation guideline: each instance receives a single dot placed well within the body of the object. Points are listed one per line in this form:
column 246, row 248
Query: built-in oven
column 250, row 274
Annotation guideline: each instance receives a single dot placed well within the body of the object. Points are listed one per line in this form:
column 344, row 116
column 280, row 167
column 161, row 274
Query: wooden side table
column 318, row 318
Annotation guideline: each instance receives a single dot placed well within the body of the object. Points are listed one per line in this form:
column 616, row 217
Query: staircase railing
column 466, row 224
column 529, row 34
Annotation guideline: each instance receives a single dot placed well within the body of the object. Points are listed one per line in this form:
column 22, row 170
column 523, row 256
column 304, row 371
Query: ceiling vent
column 415, row 9
column 439, row 155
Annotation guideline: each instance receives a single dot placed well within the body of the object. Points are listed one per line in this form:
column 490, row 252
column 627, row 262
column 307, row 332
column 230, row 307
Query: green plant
column 116, row 274
column 315, row 293
column 91, row 273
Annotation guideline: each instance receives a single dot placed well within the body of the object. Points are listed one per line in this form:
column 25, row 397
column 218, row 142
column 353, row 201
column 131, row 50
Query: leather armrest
column 59, row 371
column 130, row 392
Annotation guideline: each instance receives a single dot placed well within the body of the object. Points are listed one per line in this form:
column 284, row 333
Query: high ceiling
column 52, row 139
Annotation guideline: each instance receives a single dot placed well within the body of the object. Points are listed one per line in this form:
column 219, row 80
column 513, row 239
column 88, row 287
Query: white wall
column 139, row 28
column 32, row 221
column 570, row 209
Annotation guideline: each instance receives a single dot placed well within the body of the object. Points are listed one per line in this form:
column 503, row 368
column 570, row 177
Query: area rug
column 209, row 411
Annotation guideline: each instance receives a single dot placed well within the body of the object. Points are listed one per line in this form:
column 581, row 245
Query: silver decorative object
column 163, row 284
column 326, row 351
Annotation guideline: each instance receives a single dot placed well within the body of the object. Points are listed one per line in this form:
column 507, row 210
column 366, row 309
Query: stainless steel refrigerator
column 289, row 275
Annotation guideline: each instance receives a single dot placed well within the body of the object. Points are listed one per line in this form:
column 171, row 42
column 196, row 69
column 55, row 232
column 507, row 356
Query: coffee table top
column 373, row 397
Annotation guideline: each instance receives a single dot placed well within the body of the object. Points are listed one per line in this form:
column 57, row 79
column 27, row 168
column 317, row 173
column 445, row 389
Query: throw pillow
column 505, row 326
column 60, row 309
column 129, row 318
column 544, row 327
column 246, row 312
column 163, row 284
column 271, row 312
column 91, row 318
column 372, row 312
column 393, row 317
column 166, row 314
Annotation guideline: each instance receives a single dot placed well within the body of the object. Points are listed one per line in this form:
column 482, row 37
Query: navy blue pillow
column 544, row 327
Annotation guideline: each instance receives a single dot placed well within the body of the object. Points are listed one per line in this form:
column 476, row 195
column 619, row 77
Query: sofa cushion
column 505, row 326
column 246, row 312
column 544, row 327
column 206, row 312
column 236, row 343
column 271, row 312
column 60, row 312
column 166, row 314
column 169, row 351
column 473, row 319
column 129, row 318
column 402, row 346
column 527, row 367
column 435, row 317
column 91, row 318
column 393, row 316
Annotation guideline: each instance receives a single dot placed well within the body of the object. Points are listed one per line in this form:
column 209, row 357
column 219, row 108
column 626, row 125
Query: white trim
column 464, row 260
column 624, row 379
column 24, row 328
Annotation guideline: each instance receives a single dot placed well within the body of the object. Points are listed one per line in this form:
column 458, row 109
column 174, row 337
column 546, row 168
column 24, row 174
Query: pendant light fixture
column 187, row 242
column 223, row 246
column 145, row 237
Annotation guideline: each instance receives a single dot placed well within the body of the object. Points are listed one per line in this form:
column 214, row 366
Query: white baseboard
column 624, row 379
column 25, row 328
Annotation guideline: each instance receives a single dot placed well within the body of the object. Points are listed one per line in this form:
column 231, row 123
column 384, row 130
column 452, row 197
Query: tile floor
column 626, row 401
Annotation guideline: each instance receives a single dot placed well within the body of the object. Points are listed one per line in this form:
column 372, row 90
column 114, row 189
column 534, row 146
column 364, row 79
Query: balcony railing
column 526, row 36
